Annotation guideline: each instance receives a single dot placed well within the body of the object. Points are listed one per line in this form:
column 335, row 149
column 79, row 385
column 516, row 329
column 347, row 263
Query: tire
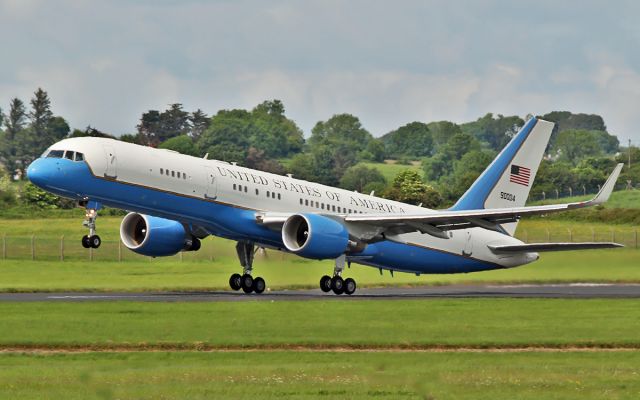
column 95, row 241
column 259, row 285
column 325, row 284
column 349, row 286
column 85, row 242
column 234, row 282
column 247, row 283
column 195, row 245
column 337, row 285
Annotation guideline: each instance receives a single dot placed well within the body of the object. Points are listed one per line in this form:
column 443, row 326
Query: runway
column 575, row 290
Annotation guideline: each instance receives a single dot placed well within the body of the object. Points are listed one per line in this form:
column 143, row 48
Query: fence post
column 62, row 248
column 635, row 237
column 593, row 234
column 182, row 252
column 4, row 246
column 570, row 234
column 613, row 235
column 526, row 236
column 548, row 235
column 119, row 250
column 90, row 253
column 33, row 247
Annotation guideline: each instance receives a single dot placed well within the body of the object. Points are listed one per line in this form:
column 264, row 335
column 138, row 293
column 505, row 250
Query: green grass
column 354, row 323
column 291, row 272
column 300, row 375
column 390, row 170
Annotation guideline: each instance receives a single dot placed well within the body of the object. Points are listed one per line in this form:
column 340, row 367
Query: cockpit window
column 55, row 154
column 69, row 154
column 79, row 156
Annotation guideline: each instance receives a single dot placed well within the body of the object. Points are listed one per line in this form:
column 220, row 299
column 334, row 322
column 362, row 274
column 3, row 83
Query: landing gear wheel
column 85, row 242
column 95, row 241
column 337, row 285
column 246, row 281
column 259, row 285
column 195, row 245
column 234, row 281
column 349, row 286
column 325, row 283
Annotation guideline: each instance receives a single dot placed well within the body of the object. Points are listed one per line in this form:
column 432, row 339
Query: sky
column 104, row 63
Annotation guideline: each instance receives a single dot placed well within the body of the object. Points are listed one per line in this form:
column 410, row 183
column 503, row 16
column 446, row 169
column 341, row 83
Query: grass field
column 391, row 169
column 619, row 199
column 318, row 324
column 210, row 267
column 341, row 349
column 304, row 375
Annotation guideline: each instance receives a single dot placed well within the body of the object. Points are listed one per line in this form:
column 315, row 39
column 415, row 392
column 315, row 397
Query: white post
column 62, row 248
column 33, row 247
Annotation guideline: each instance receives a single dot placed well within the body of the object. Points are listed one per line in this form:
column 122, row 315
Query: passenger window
column 184, row 175
column 257, row 192
column 68, row 155
column 273, row 195
column 334, row 208
column 178, row 174
column 161, row 171
column 245, row 189
column 173, row 174
column 300, row 201
column 317, row 205
column 55, row 154
column 268, row 193
column 322, row 205
column 306, row 202
column 234, row 186
column 79, row 156
column 279, row 198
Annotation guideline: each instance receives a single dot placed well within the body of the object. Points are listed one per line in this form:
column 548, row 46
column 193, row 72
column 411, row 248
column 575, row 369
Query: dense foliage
column 579, row 156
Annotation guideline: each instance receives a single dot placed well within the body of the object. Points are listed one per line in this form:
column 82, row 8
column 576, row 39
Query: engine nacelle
column 153, row 236
column 315, row 236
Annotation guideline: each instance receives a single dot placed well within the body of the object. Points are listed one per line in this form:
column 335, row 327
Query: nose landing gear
column 246, row 281
column 91, row 240
column 336, row 283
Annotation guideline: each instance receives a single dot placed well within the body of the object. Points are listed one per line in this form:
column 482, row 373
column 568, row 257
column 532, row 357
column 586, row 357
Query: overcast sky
column 389, row 63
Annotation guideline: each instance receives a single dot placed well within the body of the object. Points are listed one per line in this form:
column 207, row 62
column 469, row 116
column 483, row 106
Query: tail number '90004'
column 507, row 196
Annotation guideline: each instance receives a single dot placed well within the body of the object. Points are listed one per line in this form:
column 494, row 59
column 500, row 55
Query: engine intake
column 315, row 236
column 154, row 236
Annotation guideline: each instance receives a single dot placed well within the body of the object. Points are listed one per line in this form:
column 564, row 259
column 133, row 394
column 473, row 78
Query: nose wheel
column 91, row 241
column 336, row 283
column 246, row 282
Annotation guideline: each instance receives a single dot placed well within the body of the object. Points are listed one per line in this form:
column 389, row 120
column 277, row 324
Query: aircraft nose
column 38, row 173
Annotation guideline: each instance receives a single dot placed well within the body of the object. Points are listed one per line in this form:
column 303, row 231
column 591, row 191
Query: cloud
column 104, row 63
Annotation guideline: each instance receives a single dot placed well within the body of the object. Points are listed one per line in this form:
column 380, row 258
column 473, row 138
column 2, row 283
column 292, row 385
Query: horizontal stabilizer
column 539, row 247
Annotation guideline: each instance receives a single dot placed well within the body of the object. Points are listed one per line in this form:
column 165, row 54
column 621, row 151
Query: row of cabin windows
column 173, row 174
column 240, row 188
column 68, row 154
column 328, row 207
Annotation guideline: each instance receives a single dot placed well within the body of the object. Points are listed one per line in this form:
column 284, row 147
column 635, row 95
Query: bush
column 34, row 196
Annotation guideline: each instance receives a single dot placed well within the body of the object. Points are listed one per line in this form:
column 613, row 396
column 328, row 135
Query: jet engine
column 315, row 236
column 155, row 237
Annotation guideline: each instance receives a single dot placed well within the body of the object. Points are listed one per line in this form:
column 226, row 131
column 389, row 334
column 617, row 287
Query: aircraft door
column 468, row 245
column 111, row 168
column 211, row 190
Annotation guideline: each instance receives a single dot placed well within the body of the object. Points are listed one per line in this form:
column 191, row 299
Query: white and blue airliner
column 175, row 201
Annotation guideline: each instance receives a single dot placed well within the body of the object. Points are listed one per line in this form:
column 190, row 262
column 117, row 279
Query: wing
column 437, row 222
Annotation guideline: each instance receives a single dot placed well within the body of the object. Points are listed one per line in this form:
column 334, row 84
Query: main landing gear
column 336, row 283
column 246, row 281
column 91, row 240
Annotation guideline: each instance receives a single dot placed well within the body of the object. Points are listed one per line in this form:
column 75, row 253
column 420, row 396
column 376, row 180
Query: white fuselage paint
column 214, row 180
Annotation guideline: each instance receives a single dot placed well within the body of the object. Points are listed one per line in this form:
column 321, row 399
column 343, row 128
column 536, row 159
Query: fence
column 69, row 249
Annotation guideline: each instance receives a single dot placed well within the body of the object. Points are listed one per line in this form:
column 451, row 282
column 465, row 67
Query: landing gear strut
column 246, row 281
column 91, row 240
column 336, row 283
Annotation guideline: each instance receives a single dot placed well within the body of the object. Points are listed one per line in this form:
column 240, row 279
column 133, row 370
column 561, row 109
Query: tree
column 90, row 131
column 573, row 145
column 359, row 176
column 256, row 159
column 155, row 127
column 149, row 128
column 442, row 131
column 182, row 144
column 13, row 137
column 199, row 123
column 228, row 136
column 38, row 135
column 465, row 171
column 342, row 130
column 275, row 134
column 411, row 140
column 496, row 132
column 374, row 151
column 408, row 187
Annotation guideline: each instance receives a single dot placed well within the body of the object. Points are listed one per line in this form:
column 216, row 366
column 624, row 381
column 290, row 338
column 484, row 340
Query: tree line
column 451, row 156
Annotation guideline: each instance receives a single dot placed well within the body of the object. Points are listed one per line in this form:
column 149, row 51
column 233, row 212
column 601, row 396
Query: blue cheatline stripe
column 474, row 198
column 235, row 223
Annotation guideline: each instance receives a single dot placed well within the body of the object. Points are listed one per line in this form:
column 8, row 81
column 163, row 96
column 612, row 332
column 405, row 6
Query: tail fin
column 508, row 179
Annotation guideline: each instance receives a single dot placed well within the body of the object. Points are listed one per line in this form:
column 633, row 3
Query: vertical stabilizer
column 508, row 179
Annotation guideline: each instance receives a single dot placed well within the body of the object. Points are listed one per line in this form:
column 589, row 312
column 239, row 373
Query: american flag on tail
column 520, row 175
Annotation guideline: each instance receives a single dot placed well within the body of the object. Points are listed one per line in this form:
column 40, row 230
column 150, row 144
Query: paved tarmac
column 575, row 290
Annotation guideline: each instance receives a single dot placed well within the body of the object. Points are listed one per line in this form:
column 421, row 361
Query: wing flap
column 540, row 247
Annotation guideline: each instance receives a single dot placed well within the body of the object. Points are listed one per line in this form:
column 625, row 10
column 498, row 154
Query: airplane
column 175, row 201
